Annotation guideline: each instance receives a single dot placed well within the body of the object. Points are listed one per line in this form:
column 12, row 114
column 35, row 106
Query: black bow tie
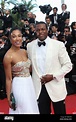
column 41, row 43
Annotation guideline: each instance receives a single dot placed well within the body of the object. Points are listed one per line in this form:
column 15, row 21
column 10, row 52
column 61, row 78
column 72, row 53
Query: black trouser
column 2, row 78
column 2, row 82
column 44, row 104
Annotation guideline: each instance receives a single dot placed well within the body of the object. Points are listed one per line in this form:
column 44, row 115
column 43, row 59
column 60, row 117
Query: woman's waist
column 21, row 75
column 21, row 80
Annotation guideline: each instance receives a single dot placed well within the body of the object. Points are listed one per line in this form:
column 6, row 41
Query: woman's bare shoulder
column 24, row 51
column 8, row 56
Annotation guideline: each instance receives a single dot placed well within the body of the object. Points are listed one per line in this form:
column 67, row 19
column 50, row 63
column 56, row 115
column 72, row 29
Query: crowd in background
column 58, row 28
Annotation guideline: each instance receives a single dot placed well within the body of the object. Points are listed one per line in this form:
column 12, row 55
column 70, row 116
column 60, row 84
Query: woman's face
column 16, row 38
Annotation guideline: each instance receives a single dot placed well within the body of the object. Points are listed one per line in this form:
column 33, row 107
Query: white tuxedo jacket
column 58, row 63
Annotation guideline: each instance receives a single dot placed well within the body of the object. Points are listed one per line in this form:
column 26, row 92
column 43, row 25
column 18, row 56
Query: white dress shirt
column 41, row 57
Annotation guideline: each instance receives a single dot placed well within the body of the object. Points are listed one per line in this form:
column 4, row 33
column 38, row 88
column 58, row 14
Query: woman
column 18, row 78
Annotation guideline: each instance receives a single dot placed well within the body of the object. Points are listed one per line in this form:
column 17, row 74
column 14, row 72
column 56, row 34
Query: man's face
column 48, row 21
column 63, row 7
column 54, row 11
column 41, row 31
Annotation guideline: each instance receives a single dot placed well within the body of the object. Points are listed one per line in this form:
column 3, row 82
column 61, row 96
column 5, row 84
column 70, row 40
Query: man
column 30, row 17
column 8, row 19
column 48, row 22
column 50, row 64
column 54, row 17
column 62, row 17
column 3, row 48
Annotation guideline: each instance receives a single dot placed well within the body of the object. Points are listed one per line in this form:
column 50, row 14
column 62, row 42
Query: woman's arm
column 8, row 74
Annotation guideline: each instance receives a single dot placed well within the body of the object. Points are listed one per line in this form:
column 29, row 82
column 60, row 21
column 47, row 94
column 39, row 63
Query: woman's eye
column 16, row 36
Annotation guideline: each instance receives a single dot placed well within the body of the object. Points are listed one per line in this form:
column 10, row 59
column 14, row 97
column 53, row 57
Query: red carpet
column 70, row 105
column 4, row 106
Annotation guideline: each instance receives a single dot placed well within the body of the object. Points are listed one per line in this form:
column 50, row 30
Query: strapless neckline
column 20, row 62
column 21, row 68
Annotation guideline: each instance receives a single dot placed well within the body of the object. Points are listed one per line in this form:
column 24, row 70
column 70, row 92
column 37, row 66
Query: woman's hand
column 10, row 104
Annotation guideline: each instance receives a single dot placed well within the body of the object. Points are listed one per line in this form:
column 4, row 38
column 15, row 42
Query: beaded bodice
column 21, row 69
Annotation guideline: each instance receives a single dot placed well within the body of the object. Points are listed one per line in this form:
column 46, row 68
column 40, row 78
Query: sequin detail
column 21, row 69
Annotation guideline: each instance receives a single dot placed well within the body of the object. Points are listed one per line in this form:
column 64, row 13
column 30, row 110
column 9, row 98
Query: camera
column 73, row 49
column 0, row 42
column 45, row 9
column 20, row 9
column 25, row 28
column 61, row 37
column 15, row 10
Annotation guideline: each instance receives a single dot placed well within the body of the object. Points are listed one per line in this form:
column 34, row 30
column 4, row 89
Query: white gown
column 23, row 90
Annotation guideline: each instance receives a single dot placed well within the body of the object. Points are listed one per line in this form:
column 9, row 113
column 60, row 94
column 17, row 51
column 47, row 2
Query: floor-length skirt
column 24, row 93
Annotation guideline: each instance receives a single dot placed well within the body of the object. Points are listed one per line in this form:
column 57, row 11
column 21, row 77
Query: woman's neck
column 15, row 48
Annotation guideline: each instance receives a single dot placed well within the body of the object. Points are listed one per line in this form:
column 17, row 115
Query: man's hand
column 46, row 78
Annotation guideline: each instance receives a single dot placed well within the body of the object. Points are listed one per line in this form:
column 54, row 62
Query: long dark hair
column 14, row 28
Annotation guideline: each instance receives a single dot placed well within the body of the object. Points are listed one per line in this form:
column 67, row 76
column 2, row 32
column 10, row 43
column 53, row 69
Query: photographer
column 25, row 33
column 73, row 47
column 62, row 17
column 49, row 23
column 2, row 19
column 33, row 34
column 8, row 19
column 54, row 31
column 73, row 32
column 25, row 28
column 30, row 17
column 3, row 48
column 54, row 17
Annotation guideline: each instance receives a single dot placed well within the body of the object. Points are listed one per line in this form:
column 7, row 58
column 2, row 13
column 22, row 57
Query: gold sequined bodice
column 21, row 69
